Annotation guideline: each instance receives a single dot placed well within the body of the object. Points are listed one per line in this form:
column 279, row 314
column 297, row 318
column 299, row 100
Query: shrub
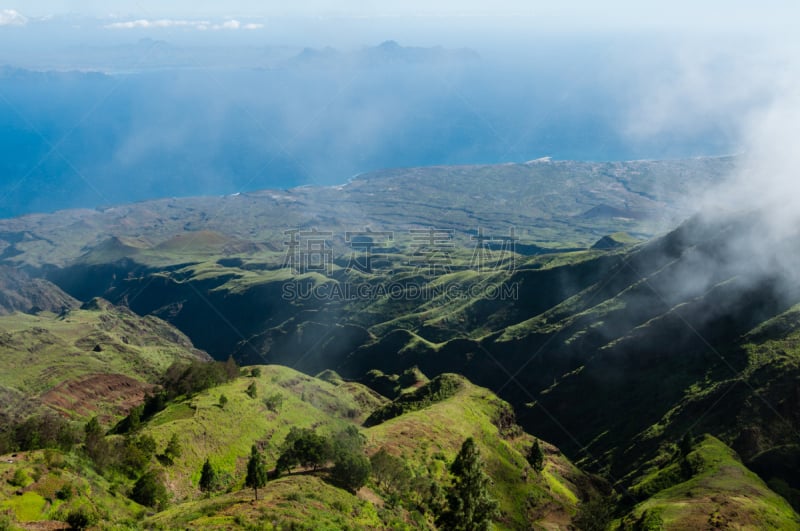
column 252, row 390
column 174, row 449
column 187, row 379
column 81, row 518
column 19, row 479
column 65, row 492
column 149, row 490
column 440, row 388
column 274, row 402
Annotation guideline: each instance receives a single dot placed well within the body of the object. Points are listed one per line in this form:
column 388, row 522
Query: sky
column 496, row 26
column 678, row 12
column 566, row 15
column 649, row 72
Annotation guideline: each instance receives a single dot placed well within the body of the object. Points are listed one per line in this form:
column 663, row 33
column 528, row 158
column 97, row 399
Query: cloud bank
column 752, row 91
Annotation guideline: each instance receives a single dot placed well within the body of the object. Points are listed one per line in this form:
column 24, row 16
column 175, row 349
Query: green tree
column 231, row 369
column 149, row 490
column 349, row 439
column 351, row 467
column 351, row 470
column 303, row 446
column 135, row 418
column 97, row 448
column 93, row 431
column 536, row 456
column 252, row 390
column 174, row 449
column 469, row 505
column 390, row 472
column 255, row 372
column 594, row 515
column 686, row 444
column 256, row 471
column 135, row 453
column 208, row 477
column 222, row 401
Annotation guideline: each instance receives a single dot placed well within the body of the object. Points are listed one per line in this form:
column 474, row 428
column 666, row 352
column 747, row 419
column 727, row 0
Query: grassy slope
column 226, row 434
column 721, row 493
column 40, row 352
column 50, row 471
column 432, row 437
column 428, row 439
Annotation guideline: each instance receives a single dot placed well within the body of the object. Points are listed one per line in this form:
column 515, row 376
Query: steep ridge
column 21, row 293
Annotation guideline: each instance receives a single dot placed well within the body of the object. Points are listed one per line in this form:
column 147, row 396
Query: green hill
column 610, row 346
column 426, row 439
column 100, row 359
column 708, row 488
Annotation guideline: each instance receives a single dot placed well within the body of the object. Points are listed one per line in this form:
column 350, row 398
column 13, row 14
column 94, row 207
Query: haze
column 107, row 104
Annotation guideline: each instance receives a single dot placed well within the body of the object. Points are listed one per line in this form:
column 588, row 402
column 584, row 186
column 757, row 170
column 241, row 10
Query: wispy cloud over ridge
column 177, row 23
column 11, row 17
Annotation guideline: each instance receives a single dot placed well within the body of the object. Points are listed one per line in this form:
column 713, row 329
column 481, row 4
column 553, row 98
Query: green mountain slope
column 100, row 359
column 708, row 488
column 426, row 440
column 608, row 346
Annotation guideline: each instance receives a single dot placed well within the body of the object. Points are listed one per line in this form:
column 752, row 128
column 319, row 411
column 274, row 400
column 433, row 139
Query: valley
column 585, row 306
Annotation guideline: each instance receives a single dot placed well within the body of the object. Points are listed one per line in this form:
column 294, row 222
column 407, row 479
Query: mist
column 751, row 219
column 156, row 119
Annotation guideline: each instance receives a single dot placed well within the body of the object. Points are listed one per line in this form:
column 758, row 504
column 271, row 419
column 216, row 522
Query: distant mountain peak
column 389, row 51
column 389, row 45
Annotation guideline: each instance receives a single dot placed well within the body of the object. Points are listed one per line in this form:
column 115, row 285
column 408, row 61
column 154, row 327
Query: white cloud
column 10, row 17
column 201, row 25
column 161, row 23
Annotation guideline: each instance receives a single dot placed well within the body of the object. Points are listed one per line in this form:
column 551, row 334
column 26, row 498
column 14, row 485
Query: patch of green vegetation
column 222, row 435
column 64, row 483
column 440, row 388
column 42, row 354
column 719, row 492
column 28, row 507
column 560, row 487
column 305, row 502
column 428, row 440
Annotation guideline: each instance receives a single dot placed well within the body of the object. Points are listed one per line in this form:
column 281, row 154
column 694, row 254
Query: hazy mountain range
column 662, row 362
